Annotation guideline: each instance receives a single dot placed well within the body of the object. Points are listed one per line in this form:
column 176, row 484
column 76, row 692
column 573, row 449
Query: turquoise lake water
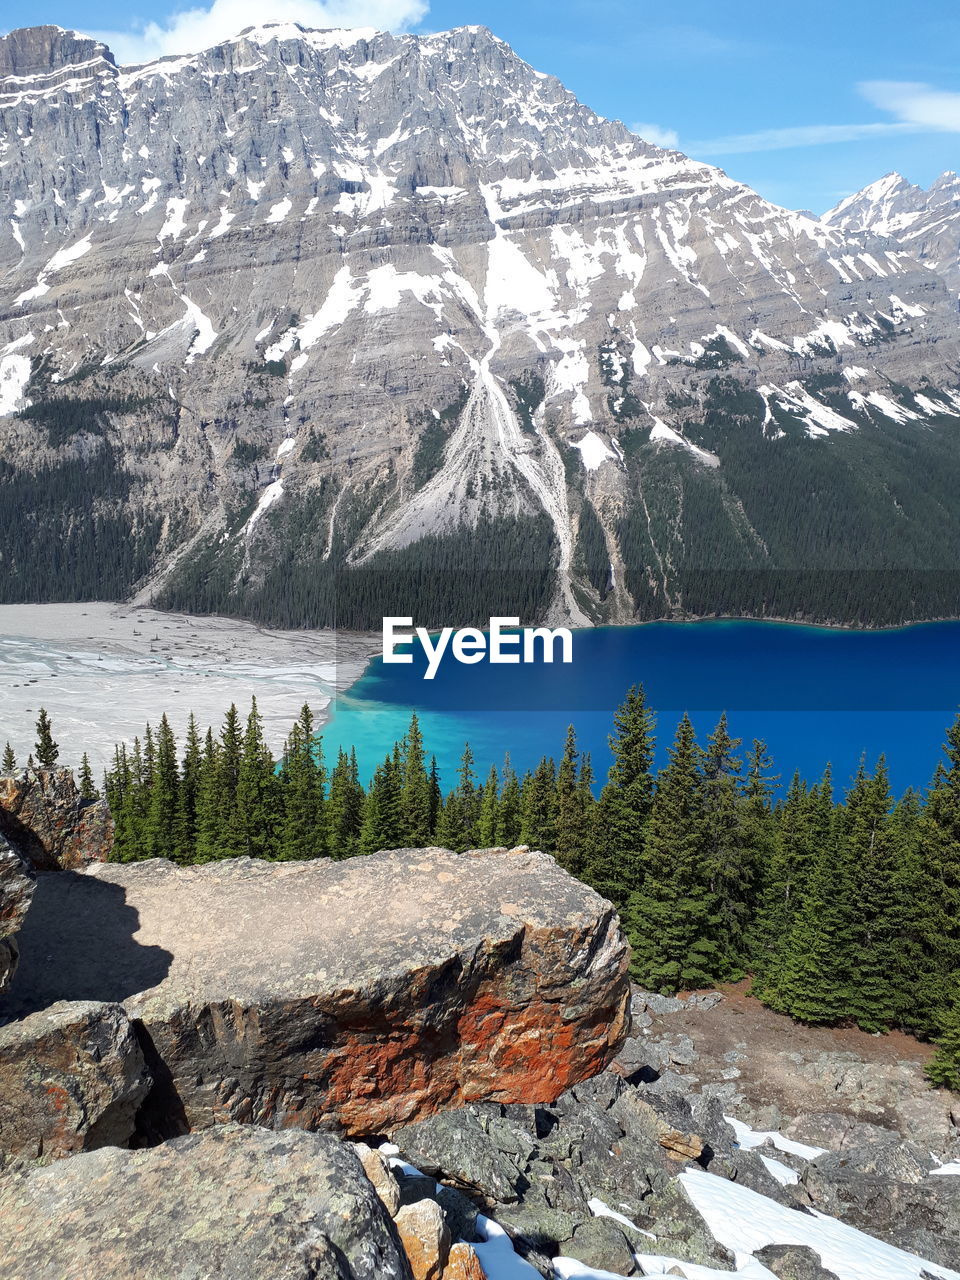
column 813, row 694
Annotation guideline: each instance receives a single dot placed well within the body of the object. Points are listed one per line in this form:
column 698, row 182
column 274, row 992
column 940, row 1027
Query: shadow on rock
column 77, row 943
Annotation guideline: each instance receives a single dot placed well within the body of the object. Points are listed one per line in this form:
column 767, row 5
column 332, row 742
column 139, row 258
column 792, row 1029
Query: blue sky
column 807, row 103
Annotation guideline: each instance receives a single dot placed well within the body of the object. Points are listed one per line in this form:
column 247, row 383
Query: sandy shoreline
column 103, row 670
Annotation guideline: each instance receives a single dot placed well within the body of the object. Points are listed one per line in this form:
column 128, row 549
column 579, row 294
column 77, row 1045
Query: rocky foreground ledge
column 355, row 996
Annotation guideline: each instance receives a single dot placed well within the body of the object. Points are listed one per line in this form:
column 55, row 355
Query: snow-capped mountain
column 309, row 298
column 924, row 222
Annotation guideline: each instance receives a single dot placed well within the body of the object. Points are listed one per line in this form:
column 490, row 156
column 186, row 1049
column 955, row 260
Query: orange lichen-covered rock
column 355, row 995
column 463, row 1264
column 425, row 1238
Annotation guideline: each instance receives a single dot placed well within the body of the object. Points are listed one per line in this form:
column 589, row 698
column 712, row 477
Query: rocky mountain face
column 925, row 223
column 320, row 325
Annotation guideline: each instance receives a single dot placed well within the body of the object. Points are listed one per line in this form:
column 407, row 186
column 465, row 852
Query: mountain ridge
column 404, row 299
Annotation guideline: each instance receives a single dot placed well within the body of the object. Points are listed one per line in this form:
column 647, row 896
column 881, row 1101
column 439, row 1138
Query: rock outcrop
column 586, row 1177
column 44, row 815
column 354, row 995
column 234, row 1202
column 71, row 1079
column 16, row 892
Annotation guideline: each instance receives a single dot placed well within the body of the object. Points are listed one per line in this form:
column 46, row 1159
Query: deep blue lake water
column 813, row 694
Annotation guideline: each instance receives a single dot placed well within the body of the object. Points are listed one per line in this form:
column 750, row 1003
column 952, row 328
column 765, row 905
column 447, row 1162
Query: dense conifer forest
column 842, row 909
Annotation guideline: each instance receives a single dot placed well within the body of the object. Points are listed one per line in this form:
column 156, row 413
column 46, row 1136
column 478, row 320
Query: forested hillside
column 843, row 909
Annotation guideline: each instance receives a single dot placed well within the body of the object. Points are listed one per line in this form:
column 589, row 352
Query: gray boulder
column 234, row 1202
column 71, row 1079
column 356, row 995
column 459, row 1147
column 922, row 1218
column 680, row 1231
column 793, row 1262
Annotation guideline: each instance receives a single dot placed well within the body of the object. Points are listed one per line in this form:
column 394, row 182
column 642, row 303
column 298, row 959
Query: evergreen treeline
column 843, row 909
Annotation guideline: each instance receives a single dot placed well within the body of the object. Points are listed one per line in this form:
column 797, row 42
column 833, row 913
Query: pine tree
column 945, row 1068
column 160, row 835
column 672, row 919
column 382, row 826
column 508, row 813
column 489, row 811
column 149, row 756
column 303, row 831
column 9, row 765
column 615, row 860
column 258, row 791
column 189, row 793
column 344, row 808
column 209, row 806
column 450, row 824
column 46, row 750
column 417, row 798
column 572, row 821
column 815, row 975
column 783, row 879
column 468, row 794
column 436, row 797
column 229, row 838
column 538, row 807
column 119, row 789
column 87, row 786
column 730, row 867
column 875, row 870
column 939, row 831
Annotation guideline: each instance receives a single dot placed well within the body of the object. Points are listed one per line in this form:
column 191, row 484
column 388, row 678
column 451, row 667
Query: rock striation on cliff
column 354, row 995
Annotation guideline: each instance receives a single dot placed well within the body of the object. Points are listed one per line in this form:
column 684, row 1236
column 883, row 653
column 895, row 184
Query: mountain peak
column 29, row 52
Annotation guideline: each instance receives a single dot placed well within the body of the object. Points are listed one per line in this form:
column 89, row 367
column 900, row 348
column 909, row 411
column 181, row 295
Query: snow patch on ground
column 593, row 451
column 786, row 1176
column 750, row 1138
column 342, row 297
column 280, row 210
column 206, row 333
column 746, row 1221
column 514, row 285
column 818, row 418
column 14, row 376
column 663, row 434
column 386, row 285
column 175, row 220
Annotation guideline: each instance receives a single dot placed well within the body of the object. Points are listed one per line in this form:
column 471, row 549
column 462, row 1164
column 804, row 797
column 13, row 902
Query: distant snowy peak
column 925, row 222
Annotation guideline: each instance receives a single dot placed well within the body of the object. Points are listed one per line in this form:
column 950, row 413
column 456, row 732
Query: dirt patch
column 772, row 1071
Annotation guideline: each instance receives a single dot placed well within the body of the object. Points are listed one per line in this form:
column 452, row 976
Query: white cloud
column 917, row 108
column 190, row 30
column 656, row 134
column 919, row 104
column 813, row 135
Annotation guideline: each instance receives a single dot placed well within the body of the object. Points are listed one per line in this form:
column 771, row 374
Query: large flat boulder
column 71, row 1079
column 354, row 995
column 235, row 1203
column 44, row 815
column 16, row 893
